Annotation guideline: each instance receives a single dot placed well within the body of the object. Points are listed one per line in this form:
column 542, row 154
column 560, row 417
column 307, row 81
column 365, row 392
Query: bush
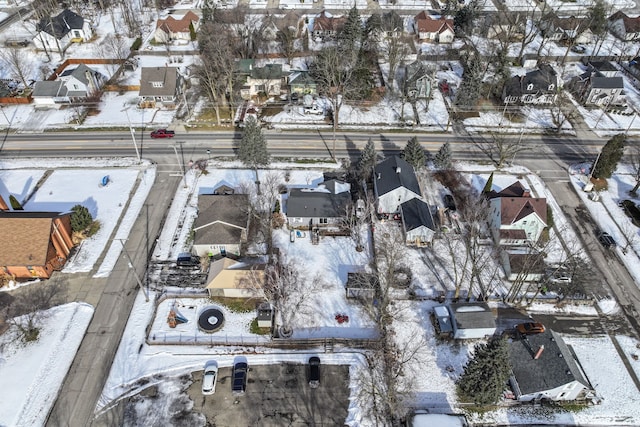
column 632, row 211
column 80, row 218
column 136, row 44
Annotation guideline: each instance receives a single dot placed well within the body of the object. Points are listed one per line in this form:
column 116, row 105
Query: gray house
column 160, row 87
column 222, row 224
column 56, row 33
column 544, row 367
column 593, row 87
column 417, row 222
column 74, row 85
column 418, row 80
column 536, row 87
column 394, row 182
column 322, row 206
column 472, row 320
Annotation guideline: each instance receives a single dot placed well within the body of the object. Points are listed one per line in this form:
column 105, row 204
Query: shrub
column 136, row 44
column 80, row 218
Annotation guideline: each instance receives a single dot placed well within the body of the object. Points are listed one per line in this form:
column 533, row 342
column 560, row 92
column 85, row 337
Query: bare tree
column 634, row 161
column 27, row 311
column 18, row 63
column 499, row 148
column 287, row 38
column 289, row 289
column 116, row 47
column 394, row 50
column 529, row 29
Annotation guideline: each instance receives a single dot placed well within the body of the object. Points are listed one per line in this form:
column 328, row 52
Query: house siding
column 570, row 391
column 213, row 250
column 390, row 202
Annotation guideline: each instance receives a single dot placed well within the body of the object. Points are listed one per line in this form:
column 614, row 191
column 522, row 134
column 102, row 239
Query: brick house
column 35, row 244
column 176, row 30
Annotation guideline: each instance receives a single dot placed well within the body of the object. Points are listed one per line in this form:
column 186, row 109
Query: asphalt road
column 113, row 297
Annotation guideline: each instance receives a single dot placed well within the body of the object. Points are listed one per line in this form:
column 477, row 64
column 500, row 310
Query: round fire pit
column 210, row 319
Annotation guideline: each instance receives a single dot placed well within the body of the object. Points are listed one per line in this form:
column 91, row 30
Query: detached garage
column 472, row 320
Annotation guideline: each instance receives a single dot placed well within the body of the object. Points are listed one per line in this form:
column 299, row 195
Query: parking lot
column 276, row 395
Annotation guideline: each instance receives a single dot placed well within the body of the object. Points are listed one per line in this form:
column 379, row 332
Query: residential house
column 594, row 88
column 569, row 29
column 523, row 264
column 516, row 220
column 507, row 27
column 266, row 80
column 73, row 85
column 394, row 182
column 302, row 83
column 322, row 206
column 418, row 224
column 392, row 25
column 543, row 366
column 472, row 320
column 34, row 244
column 439, row 30
column 177, row 30
column 221, row 225
column 326, row 26
column 418, row 80
column 269, row 28
column 58, row 32
column 160, row 87
column 624, row 27
column 535, row 87
column 235, row 279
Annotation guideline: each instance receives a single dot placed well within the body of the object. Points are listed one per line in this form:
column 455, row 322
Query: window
column 156, row 84
column 324, row 221
column 530, row 86
column 552, row 87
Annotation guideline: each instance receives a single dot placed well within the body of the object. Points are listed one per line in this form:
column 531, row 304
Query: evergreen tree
column 352, row 31
column 443, row 157
column 414, row 154
column 609, row 157
column 252, row 149
column 469, row 91
column 367, row 160
column 80, row 218
column 485, row 376
column 15, row 204
column 488, row 185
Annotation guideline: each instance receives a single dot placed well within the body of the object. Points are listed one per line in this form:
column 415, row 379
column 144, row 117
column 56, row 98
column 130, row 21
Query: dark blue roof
column 58, row 26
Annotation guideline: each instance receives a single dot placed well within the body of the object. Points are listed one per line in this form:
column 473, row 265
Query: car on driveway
column 239, row 383
column 606, row 240
column 314, row 372
column 209, row 378
column 530, row 328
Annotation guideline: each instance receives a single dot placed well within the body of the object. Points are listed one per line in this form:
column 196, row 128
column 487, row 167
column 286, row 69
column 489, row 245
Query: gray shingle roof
column 166, row 76
column 472, row 315
column 555, row 367
column 314, row 203
column 58, row 26
column 394, row 172
column 215, row 212
column 607, row 83
column 540, row 80
column 49, row 88
column 415, row 214
column 80, row 73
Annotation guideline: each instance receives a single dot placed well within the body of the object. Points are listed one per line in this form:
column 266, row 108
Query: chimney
column 379, row 175
column 526, row 192
column 398, row 169
column 539, row 352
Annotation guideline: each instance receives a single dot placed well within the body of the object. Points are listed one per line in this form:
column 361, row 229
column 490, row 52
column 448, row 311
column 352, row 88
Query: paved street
column 113, row 299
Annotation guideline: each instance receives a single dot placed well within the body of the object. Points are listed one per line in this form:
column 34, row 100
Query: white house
column 418, row 224
column 394, row 182
column 74, row 85
column 544, row 367
column 624, row 27
column 176, row 30
column 58, row 32
column 321, row 206
column 438, row 30
column 517, row 213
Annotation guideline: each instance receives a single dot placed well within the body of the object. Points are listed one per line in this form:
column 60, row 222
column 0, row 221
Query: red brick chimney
column 539, row 353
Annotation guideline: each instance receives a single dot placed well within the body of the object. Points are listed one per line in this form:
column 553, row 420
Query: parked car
column 314, row 372
column 209, row 378
column 186, row 260
column 606, row 240
column 530, row 328
column 578, row 49
column 239, row 383
column 162, row 133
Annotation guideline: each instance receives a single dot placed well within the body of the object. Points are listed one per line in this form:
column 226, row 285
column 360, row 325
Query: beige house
column 235, row 279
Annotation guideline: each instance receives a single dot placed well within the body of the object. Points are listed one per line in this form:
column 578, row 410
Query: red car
column 530, row 328
column 162, row 133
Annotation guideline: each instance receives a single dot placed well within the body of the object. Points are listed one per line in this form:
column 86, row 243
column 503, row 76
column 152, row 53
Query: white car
column 209, row 378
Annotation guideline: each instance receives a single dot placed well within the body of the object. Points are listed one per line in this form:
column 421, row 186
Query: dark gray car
column 314, row 372
column 239, row 383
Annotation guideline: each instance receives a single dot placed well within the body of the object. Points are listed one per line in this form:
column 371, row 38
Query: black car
column 239, row 384
column 186, row 260
column 606, row 240
column 314, row 372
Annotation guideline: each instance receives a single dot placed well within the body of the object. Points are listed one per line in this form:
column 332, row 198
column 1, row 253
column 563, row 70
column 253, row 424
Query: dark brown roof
column 427, row 24
column 514, row 190
column 322, row 22
column 178, row 25
column 631, row 24
column 513, row 209
column 25, row 237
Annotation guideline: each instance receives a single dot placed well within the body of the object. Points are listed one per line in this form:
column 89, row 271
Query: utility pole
column 133, row 268
column 133, row 135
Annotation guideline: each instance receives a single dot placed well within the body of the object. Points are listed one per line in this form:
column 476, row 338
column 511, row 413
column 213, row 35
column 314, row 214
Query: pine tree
column 609, row 157
column 80, row 218
column 367, row 160
column 252, row 150
column 414, row 154
column 485, row 376
column 351, row 33
column 488, row 185
column 443, row 157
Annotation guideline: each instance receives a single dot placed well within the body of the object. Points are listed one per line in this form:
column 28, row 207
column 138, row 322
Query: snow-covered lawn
column 32, row 373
